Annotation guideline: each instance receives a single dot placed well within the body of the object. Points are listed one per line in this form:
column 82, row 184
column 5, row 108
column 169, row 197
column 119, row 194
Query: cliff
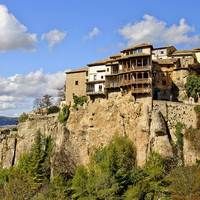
column 150, row 125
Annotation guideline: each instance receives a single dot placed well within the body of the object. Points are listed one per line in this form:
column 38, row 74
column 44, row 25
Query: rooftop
column 82, row 69
column 183, row 52
column 143, row 45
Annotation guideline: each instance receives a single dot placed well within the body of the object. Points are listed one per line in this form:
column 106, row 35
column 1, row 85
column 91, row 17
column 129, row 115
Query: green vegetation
column 23, row 117
column 193, row 86
column 64, row 114
column 79, row 101
column 53, row 109
column 112, row 174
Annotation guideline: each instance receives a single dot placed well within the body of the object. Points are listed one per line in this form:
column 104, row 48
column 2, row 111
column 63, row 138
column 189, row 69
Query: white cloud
column 153, row 30
column 18, row 91
column 13, row 34
column 93, row 33
column 54, row 37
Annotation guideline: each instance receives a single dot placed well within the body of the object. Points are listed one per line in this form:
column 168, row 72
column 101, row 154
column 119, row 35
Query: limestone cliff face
column 93, row 126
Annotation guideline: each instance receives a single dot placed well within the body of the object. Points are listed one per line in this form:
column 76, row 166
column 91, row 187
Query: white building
column 163, row 52
column 96, row 77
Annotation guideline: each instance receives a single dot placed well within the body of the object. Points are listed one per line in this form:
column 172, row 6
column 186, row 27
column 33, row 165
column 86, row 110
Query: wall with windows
column 75, row 84
column 159, row 54
column 97, row 73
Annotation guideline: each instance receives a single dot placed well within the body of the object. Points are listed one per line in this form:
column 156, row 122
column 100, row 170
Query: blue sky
column 90, row 30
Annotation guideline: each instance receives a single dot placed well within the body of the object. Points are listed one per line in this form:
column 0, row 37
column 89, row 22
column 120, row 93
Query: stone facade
column 75, row 84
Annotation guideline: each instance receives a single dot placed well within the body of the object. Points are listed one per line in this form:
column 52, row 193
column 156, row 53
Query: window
column 161, row 52
column 100, row 88
column 86, row 73
column 95, row 77
column 101, row 77
column 76, row 82
column 107, row 69
column 164, row 82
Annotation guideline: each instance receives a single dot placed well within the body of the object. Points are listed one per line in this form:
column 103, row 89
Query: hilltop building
column 76, row 83
column 142, row 70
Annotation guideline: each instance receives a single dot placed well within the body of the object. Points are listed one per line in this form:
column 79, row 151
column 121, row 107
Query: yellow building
column 76, row 84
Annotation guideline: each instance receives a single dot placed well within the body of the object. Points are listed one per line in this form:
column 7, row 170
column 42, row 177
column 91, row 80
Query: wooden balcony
column 135, row 69
column 116, row 84
column 92, row 92
column 141, row 90
column 135, row 81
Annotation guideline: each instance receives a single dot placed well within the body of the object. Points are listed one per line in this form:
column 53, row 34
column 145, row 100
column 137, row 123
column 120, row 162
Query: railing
column 141, row 90
column 135, row 68
column 115, row 84
column 92, row 92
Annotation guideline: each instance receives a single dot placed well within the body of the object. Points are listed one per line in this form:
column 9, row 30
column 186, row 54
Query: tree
column 193, row 86
column 185, row 183
column 43, row 102
column 109, row 173
column 61, row 94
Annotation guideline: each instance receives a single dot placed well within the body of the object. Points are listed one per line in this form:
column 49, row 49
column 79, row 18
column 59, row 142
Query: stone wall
column 174, row 112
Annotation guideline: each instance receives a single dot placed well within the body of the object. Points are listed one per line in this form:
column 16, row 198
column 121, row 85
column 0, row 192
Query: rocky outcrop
column 93, row 126
column 160, row 139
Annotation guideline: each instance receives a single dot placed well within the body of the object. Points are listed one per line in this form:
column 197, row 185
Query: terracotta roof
column 164, row 47
column 100, row 62
column 196, row 49
column 115, row 56
column 138, row 46
column 134, row 55
column 83, row 69
column 183, row 52
column 169, row 61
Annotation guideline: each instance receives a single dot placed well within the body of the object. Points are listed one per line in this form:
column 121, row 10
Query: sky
column 40, row 40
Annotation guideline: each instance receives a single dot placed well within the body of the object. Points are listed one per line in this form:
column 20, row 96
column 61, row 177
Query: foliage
column 193, row 135
column 193, row 86
column 197, row 108
column 179, row 135
column 185, row 183
column 57, row 189
column 151, row 185
column 23, row 117
column 108, row 174
column 179, row 142
column 79, row 100
column 53, row 109
column 37, row 161
column 43, row 102
column 64, row 114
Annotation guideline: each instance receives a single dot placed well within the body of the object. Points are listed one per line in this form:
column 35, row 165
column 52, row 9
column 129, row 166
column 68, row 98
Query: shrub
column 193, row 86
column 179, row 135
column 185, row 183
column 193, row 135
column 53, row 109
column 79, row 101
column 109, row 172
column 64, row 114
column 23, row 117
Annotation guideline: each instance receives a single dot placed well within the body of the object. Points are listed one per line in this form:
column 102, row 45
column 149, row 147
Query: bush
column 23, row 117
column 64, row 114
column 53, row 109
column 109, row 172
column 79, row 101
column 193, row 86
column 185, row 183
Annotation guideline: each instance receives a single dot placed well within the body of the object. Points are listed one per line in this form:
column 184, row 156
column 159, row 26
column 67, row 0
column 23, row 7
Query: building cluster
column 143, row 70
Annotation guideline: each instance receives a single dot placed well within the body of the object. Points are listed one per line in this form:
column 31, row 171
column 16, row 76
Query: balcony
column 135, row 69
column 116, row 84
column 93, row 92
column 141, row 90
